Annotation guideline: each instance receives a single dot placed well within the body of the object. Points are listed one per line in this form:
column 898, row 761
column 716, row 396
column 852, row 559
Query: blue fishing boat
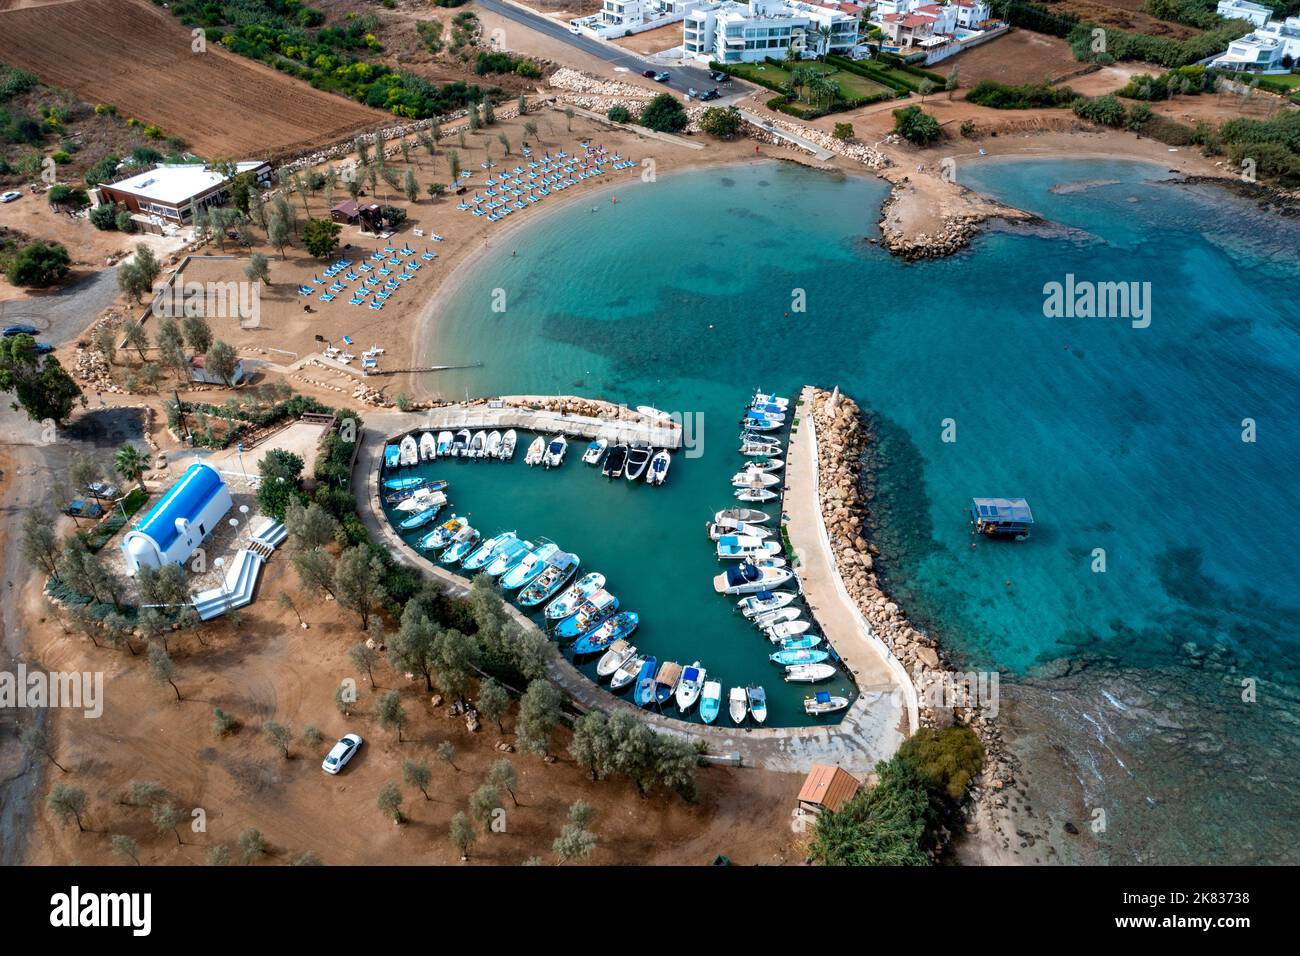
column 410, row 490
column 420, row 518
column 444, row 534
column 666, row 681
column 403, row 484
column 800, row 643
column 786, row 658
column 560, row 567
column 511, row 553
column 464, row 544
column 572, row 598
column 595, row 610
column 645, row 683
column 486, row 551
column 526, row 571
column 711, row 701
column 617, row 627
column 392, row 456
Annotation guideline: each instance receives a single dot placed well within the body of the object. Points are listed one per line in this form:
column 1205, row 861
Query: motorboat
column 757, row 422
column 594, row 611
column 759, row 446
column 555, row 452
column 757, row 703
column 460, row 444
column 710, row 701
column 721, row 529
column 420, row 518
column 421, row 499
column 750, row 478
column 737, row 705
column 403, row 484
column 477, row 445
column 689, row 687
column 392, row 456
column 766, row 619
column 428, row 447
column 493, row 448
column 617, row 654
column 809, row 673
column 572, row 598
column 619, row 626
column 739, row 547
column 824, row 703
column 657, row 474
column 755, row 494
column 560, row 566
column 787, row 634
column 444, row 534
column 408, row 451
column 654, row 414
column 763, row 398
column 595, row 452
column 527, row 570
column 487, row 550
column 764, row 601
column 749, row 578
column 666, row 681
column 615, row 462
column 761, row 463
column 444, row 444
column 535, row 452
column 645, row 682
column 413, row 488
column 745, row 515
column 511, row 553
column 464, row 543
column 638, row 457
column 628, row 672
column 508, row 445
column 803, row 643
column 802, row 655
column 767, row 408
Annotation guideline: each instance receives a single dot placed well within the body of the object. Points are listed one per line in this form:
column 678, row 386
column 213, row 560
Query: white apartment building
column 1244, row 10
column 635, row 13
column 1273, row 48
column 749, row 32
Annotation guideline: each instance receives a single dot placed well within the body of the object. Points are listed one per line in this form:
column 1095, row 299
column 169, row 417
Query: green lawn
column 852, row 86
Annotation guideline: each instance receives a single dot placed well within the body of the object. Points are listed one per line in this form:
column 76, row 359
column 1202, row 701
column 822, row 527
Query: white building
column 179, row 522
column 171, row 191
column 1273, row 48
column 1244, row 10
column 733, row 32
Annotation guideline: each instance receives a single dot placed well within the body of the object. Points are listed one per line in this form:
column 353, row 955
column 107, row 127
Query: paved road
column 682, row 77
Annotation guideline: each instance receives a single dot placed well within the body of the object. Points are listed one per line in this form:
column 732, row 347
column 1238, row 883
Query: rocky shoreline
column 847, row 488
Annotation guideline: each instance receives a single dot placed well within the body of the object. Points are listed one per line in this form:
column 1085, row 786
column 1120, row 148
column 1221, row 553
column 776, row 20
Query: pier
column 515, row 412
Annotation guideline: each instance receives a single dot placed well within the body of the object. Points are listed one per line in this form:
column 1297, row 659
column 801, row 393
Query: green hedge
column 898, row 63
column 866, row 69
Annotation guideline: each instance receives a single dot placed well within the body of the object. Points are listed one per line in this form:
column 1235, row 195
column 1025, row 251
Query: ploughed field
column 137, row 58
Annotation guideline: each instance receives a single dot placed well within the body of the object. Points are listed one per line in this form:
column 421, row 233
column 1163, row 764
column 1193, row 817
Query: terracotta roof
column 828, row 787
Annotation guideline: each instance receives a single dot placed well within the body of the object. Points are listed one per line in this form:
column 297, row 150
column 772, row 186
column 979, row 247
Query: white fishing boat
column 424, row 498
column 776, row 616
column 638, row 457
column 493, row 448
column 757, row 703
column 595, row 451
column 428, row 447
column 809, row 673
column 737, row 705
column 657, row 473
column 572, row 597
column 824, row 703
column 555, row 452
column 759, row 446
column 739, row 547
column 764, row 602
column 477, row 445
column 748, row 578
column 750, row 478
column 689, row 687
column 409, row 451
column 747, row 515
column 535, row 452
column 720, row 529
column 769, row 562
column 618, row 654
column 508, row 445
column 460, row 444
column 755, row 494
column 627, row 672
column 783, row 631
column 654, row 414
column 444, row 443
column 765, row 464
column 762, row 398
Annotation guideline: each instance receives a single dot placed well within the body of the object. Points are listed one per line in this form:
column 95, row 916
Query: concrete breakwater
column 843, row 439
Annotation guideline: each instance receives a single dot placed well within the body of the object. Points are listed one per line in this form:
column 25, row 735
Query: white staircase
column 268, row 536
column 241, row 581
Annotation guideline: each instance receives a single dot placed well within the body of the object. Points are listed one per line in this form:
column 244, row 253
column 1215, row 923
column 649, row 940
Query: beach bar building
column 179, row 522
column 826, row 788
column 1002, row 516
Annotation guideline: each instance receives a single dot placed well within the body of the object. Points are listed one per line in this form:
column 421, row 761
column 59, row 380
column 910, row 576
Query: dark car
column 44, row 348
column 104, row 489
column 718, row 77
column 648, row 74
column 712, row 94
column 11, row 330
column 80, row 508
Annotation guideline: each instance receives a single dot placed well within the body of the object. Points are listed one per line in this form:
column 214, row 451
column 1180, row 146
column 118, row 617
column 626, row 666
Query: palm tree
column 824, row 33
column 131, row 463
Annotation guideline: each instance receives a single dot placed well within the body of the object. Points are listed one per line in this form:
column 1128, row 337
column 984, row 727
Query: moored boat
column 487, row 550
column 757, row 703
column 508, row 445
column 710, row 701
column 428, row 447
column 444, row 534
column 560, row 566
column 594, row 611
column 743, row 515
column 737, row 705
column 638, row 457
column 801, row 643
column 764, row 601
column 532, row 564
column 412, row 489
column 555, row 452
column 444, row 443
column 493, row 447
column 403, row 484
column 628, row 672
column 573, row 596
column 419, row 500
column 765, row 464
column 392, row 456
column 736, row 547
column 595, row 452
column 463, row 545
column 755, row 494
column 477, row 445
column 420, row 518
column 619, row 626
column 460, row 444
column 615, row 462
column 758, row 446
column 748, row 578
column 763, row 398
column 689, row 687
column 809, row 673
column 766, row 619
column 719, row 529
column 615, row 656
column 510, row 554
column 799, row 656
column 408, row 451
column 751, row 478
column 824, row 703
column 644, row 694
column 535, row 452
column 666, row 681
column 657, row 473
column 787, row 631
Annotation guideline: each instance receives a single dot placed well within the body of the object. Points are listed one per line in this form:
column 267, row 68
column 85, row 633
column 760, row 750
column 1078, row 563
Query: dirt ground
column 653, row 41
column 1021, row 56
column 266, row 667
column 1122, row 15
column 137, row 58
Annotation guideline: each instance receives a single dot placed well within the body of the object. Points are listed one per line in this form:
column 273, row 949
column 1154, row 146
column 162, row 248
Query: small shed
column 353, row 213
column 826, row 788
column 199, row 372
column 179, row 522
column 1002, row 516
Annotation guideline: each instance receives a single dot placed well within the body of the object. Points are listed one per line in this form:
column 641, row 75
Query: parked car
column 44, row 348
column 103, row 489
column 574, row 28
column 81, row 508
column 693, row 93
column 717, row 76
column 661, row 77
column 341, row 753
column 712, row 94
column 11, row 330
column 10, row 196
column 649, row 74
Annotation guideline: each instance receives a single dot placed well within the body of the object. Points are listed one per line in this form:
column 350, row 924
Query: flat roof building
column 170, row 191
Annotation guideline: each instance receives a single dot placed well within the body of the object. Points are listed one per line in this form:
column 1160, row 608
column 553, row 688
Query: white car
column 10, row 196
column 574, row 28
column 343, row 751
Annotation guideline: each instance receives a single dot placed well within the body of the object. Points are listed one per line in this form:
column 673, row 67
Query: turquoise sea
column 1122, row 690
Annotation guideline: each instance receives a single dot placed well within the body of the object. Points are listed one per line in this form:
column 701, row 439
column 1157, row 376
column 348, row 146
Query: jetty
column 571, row 417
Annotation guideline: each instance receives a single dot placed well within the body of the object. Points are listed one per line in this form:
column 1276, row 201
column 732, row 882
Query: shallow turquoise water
column 1123, row 439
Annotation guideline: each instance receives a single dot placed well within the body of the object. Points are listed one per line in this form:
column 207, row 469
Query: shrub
column 1106, row 110
column 722, row 122
column 916, row 126
column 38, row 265
column 843, row 131
column 619, row 113
column 104, row 217
column 664, row 114
column 1001, row 96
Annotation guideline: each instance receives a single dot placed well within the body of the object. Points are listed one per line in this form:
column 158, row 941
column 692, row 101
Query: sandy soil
column 267, row 668
column 1023, row 56
column 214, row 100
column 653, row 41
column 1122, row 15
